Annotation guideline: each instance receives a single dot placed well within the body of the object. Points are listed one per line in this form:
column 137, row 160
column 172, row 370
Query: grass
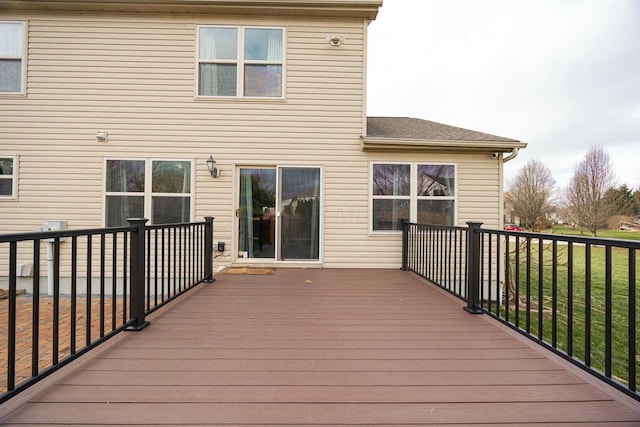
column 604, row 234
column 580, row 324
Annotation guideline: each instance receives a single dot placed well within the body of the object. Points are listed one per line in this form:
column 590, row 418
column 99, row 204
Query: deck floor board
column 315, row 347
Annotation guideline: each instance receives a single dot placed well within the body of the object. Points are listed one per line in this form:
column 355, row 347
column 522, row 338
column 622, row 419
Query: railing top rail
column 42, row 235
column 444, row 227
column 629, row 244
column 174, row 225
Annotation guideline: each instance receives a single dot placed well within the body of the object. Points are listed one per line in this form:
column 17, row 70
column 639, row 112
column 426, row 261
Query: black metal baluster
column 12, row 314
column 554, row 294
column 570, row 300
column 587, row 305
column 482, row 270
column 490, row 271
column 608, row 320
column 125, row 276
column 147, row 294
column 74, row 294
column 35, row 313
column 155, row 274
column 498, row 276
column 507, row 276
column 88, row 293
column 56, row 300
column 631, row 343
column 114, row 282
column 164, row 280
column 528, row 285
column 175, row 265
column 540, row 288
column 517, row 283
column 103, row 254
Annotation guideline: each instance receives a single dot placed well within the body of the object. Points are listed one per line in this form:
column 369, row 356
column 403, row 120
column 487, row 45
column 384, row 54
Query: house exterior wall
column 135, row 78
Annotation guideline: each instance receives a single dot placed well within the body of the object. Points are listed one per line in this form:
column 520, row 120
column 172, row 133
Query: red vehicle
column 512, row 227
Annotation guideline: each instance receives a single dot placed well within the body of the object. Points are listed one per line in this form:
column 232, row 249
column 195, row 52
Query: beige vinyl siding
column 478, row 199
column 135, row 78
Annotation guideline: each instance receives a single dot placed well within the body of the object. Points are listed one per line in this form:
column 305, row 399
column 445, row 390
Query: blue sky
column 559, row 75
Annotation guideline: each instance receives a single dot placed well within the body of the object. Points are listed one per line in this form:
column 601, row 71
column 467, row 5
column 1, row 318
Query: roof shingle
column 412, row 128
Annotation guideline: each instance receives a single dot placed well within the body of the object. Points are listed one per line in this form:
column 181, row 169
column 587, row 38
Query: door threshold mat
column 248, row 270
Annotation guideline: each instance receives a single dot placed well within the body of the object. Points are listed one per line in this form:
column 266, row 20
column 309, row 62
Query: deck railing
column 81, row 287
column 576, row 296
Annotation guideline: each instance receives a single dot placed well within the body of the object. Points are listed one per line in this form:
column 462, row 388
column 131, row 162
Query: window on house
column 240, row 61
column 423, row 193
column 11, row 56
column 8, row 177
column 157, row 189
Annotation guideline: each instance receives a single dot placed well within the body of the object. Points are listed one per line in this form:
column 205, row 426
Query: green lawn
column 604, row 234
column 573, row 340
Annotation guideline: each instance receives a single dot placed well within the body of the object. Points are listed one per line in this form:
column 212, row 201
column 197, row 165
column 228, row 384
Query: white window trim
column 148, row 194
column 14, row 177
column 240, row 61
column 413, row 193
column 23, row 59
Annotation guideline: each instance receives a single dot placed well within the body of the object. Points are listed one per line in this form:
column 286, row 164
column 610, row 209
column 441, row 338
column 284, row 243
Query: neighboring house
column 110, row 110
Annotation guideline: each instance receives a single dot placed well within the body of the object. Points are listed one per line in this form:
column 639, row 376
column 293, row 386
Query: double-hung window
column 157, row 189
column 12, row 61
column 423, row 193
column 8, row 177
column 240, row 61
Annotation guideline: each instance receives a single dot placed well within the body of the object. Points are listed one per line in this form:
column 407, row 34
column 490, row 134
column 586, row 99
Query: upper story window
column 156, row 189
column 8, row 177
column 240, row 61
column 422, row 193
column 12, row 59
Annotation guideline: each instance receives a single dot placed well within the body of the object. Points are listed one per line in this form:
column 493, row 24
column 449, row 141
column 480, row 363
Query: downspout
column 511, row 156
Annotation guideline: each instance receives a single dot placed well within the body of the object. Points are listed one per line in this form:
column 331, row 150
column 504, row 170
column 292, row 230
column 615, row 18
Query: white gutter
column 511, row 156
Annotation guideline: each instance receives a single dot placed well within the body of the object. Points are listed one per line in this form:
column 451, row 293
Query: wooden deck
column 320, row 347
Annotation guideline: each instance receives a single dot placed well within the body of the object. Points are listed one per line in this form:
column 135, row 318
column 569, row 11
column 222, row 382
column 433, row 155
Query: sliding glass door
column 299, row 204
column 278, row 213
column 256, row 213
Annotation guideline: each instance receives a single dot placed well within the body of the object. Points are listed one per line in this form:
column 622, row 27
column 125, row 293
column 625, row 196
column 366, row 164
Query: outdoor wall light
column 335, row 40
column 102, row 136
column 211, row 164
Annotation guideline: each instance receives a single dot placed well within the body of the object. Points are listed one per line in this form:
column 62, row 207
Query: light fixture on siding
column 335, row 40
column 211, row 164
column 102, row 136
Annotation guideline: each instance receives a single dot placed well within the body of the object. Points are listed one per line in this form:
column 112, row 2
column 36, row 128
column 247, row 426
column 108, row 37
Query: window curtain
column 314, row 246
column 245, row 234
column 274, row 46
column 124, row 206
column 10, row 57
column 208, row 72
column 186, row 190
column 274, row 53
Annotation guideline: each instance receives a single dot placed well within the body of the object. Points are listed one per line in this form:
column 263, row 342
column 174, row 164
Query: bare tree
column 585, row 195
column 530, row 194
